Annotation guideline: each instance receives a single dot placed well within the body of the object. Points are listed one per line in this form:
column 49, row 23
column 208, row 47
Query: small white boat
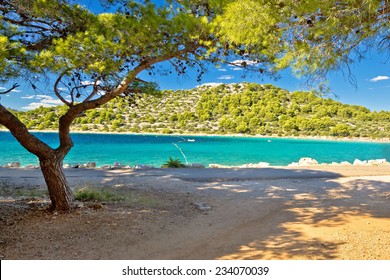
column 269, row 141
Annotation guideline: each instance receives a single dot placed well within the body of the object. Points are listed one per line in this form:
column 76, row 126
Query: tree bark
column 59, row 191
column 50, row 159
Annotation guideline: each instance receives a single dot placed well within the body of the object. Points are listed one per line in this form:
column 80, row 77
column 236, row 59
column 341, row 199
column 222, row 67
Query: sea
column 155, row 150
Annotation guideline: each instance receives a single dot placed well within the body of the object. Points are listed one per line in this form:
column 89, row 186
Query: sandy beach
column 316, row 212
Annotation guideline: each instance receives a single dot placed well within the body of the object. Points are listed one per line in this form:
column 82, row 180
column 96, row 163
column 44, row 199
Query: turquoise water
column 155, row 150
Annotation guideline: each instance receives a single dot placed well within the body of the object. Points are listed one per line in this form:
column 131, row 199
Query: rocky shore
column 305, row 161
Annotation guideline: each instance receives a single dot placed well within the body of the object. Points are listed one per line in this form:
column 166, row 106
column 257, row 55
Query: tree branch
column 94, row 91
column 57, row 93
column 11, row 89
column 74, row 111
column 24, row 137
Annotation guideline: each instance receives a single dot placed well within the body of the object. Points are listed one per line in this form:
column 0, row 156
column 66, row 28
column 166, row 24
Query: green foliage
column 227, row 109
column 173, row 163
column 93, row 194
column 312, row 37
column 340, row 130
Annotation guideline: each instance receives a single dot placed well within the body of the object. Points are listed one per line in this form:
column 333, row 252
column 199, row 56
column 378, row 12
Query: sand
column 317, row 212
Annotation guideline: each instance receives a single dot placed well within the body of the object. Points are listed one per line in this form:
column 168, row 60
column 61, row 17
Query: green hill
column 225, row 109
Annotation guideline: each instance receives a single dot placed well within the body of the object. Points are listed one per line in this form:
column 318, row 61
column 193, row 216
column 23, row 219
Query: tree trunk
column 59, row 191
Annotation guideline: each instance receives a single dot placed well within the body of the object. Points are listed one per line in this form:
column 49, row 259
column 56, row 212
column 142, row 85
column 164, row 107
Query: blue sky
column 372, row 75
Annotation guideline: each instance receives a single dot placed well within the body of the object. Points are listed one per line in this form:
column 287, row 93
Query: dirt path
column 304, row 216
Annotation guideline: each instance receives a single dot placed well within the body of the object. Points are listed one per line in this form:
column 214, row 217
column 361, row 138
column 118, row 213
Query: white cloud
column 42, row 96
column 222, row 69
column 237, row 69
column 45, row 101
column 88, row 83
column 28, row 97
column 240, row 62
column 2, row 88
column 226, row 77
column 210, row 84
column 379, row 78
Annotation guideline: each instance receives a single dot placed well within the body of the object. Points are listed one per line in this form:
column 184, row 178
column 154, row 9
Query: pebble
column 203, row 206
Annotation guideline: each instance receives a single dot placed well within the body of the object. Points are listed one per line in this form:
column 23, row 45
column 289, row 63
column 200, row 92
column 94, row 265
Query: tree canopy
column 311, row 36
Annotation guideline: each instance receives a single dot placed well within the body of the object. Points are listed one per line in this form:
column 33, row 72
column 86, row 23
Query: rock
column 66, row 166
column 195, row 165
column 377, row 161
column 90, row 165
column 15, row 164
column 31, row 166
column 106, row 166
column 95, row 206
column 359, row 162
column 248, row 165
column 202, row 206
column 78, row 204
column 76, row 166
column 345, row 163
column 307, row 161
column 255, row 165
column 143, row 166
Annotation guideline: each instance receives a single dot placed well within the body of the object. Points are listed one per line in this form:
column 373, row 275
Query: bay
column 156, row 149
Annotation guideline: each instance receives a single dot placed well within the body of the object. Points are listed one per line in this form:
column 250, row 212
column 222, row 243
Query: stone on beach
column 359, row 162
column 15, row 164
column 305, row 161
column 31, row 166
column 195, row 165
column 202, row 206
column 377, row 161
column 90, row 165
column 248, row 165
column 143, row 166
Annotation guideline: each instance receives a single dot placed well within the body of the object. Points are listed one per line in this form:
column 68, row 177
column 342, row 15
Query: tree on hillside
column 89, row 59
column 311, row 36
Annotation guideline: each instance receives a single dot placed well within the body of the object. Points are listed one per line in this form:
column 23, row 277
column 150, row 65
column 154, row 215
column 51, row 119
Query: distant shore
column 320, row 138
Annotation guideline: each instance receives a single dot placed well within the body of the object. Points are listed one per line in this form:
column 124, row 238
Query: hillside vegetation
column 245, row 108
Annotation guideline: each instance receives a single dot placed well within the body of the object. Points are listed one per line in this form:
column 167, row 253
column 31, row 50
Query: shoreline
column 302, row 163
column 314, row 138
